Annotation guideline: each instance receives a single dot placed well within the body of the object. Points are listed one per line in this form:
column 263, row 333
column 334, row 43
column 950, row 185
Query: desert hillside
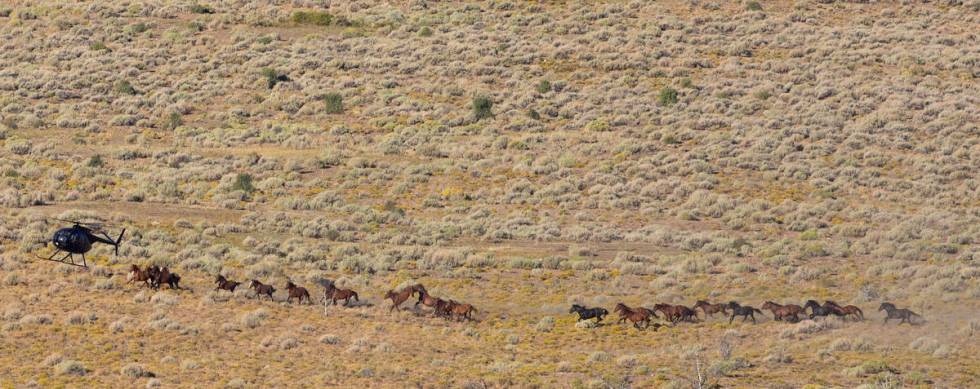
column 519, row 156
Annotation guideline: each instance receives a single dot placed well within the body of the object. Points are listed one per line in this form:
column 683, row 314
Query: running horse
column 637, row 315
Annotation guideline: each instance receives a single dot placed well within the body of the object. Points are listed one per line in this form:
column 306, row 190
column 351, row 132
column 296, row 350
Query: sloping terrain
column 518, row 156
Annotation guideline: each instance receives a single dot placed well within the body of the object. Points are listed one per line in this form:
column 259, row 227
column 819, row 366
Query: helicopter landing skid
column 68, row 259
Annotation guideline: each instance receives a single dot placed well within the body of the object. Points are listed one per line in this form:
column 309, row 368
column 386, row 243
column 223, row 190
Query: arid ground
column 520, row 156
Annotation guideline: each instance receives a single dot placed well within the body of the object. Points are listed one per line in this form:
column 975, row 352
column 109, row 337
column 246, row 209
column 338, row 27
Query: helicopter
column 78, row 239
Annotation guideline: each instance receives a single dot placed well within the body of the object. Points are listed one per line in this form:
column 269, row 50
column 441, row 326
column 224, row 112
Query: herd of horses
column 641, row 317
column 154, row 276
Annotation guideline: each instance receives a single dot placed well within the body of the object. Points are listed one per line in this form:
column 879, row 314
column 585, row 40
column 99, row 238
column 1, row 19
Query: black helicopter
column 78, row 239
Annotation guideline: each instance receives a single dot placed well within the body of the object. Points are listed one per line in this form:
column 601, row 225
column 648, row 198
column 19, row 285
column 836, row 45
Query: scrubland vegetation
column 521, row 156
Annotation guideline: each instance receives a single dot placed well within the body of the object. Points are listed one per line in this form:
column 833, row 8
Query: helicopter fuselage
column 75, row 240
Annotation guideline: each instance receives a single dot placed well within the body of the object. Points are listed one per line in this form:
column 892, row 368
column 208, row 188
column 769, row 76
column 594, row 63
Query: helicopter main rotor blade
column 96, row 223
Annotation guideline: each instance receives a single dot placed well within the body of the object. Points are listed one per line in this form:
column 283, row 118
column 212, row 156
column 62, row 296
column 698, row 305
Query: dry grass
column 519, row 156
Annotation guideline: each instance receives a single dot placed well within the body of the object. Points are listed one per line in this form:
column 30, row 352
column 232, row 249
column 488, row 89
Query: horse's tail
column 757, row 310
column 860, row 313
column 355, row 296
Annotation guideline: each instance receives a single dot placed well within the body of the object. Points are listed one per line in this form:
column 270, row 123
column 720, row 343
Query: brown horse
column 790, row 312
column 460, row 310
column 225, row 284
column 334, row 293
column 711, row 309
column 676, row 313
column 637, row 315
column 437, row 304
column 163, row 276
column 297, row 292
column 399, row 297
column 262, row 289
column 137, row 275
column 845, row 311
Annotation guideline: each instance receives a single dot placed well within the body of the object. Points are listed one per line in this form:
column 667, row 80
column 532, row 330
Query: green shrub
column 687, row 83
column 171, row 121
column 598, row 125
column 482, row 107
column 70, row 367
column 335, row 103
column 138, row 28
column 99, row 46
column 264, row 40
column 273, row 77
column 95, row 161
column 544, row 86
column 425, row 32
column 125, row 88
column 668, row 96
column 315, row 18
column 243, row 182
column 201, row 9
column 531, row 113
column 762, row 95
column 809, row 235
column 753, row 6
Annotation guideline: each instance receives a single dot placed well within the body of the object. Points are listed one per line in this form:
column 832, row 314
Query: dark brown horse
column 711, row 309
column 744, row 311
column 438, row 305
column 137, row 275
column 845, row 311
column 333, row 293
column 460, row 310
column 399, row 297
column 262, row 289
column 163, row 276
column 790, row 312
column 224, row 284
column 637, row 315
column 676, row 313
column 297, row 292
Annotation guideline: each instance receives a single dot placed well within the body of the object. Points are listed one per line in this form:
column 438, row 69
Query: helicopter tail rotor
column 119, row 240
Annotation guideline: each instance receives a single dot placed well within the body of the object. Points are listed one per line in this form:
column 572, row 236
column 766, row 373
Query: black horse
column 588, row 313
column 744, row 311
column 904, row 315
